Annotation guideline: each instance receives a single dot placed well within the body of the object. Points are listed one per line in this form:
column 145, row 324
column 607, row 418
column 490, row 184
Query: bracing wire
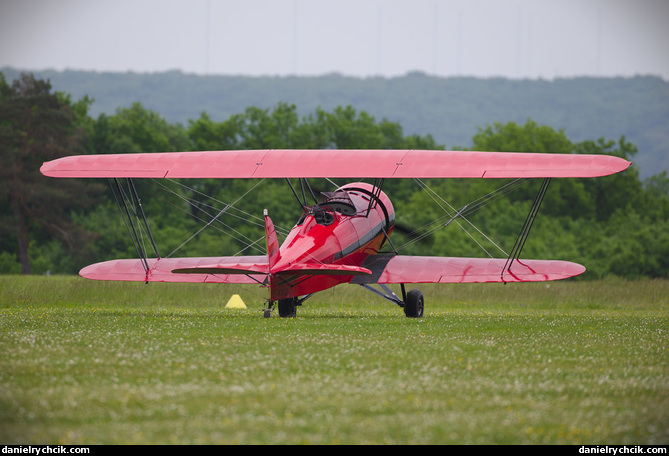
column 451, row 213
column 214, row 220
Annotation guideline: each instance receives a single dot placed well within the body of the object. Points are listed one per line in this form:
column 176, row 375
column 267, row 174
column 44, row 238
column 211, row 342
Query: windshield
column 331, row 203
column 338, row 201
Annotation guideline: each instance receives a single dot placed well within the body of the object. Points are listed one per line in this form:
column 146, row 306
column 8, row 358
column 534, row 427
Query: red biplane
column 337, row 240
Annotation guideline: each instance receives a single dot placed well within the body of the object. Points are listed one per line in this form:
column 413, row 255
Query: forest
column 615, row 226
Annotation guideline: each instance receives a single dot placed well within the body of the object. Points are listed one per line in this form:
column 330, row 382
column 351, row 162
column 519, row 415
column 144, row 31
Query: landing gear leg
column 267, row 313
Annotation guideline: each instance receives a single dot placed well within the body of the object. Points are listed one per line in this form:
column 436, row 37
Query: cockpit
column 331, row 203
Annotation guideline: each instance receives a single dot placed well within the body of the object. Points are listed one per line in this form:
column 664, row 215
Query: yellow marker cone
column 235, row 302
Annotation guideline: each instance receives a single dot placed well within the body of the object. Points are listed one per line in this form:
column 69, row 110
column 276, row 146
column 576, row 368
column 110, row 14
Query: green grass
column 569, row 362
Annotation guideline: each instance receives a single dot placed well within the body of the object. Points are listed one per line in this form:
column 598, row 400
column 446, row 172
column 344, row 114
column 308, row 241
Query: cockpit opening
column 338, row 201
column 330, row 203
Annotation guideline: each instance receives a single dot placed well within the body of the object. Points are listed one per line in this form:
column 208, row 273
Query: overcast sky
column 485, row 38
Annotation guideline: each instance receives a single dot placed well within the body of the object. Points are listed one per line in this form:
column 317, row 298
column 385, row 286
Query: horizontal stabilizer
column 322, row 269
column 224, row 269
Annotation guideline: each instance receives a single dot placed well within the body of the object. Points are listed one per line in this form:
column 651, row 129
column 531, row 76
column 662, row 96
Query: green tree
column 37, row 125
column 137, row 129
column 531, row 137
column 205, row 134
column 619, row 190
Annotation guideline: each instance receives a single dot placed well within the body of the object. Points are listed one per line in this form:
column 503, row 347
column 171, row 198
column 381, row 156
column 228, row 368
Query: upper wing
column 421, row 269
column 333, row 163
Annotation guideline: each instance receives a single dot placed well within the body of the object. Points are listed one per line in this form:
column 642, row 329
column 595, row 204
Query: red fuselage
column 349, row 226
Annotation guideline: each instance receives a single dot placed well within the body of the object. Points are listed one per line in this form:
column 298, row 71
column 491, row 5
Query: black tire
column 413, row 306
column 287, row 308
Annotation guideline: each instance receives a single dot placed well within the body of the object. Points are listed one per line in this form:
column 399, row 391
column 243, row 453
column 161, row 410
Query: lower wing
column 243, row 269
column 389, row 269
column 385, row 269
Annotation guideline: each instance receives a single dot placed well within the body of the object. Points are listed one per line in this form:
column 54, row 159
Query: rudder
column 272, row 241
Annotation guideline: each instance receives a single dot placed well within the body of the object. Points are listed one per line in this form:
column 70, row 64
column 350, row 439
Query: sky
column 518, row 39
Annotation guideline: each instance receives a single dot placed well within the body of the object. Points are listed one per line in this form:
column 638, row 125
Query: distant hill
column 450, row 109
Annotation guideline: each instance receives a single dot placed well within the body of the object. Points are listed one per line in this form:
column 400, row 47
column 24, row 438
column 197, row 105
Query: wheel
column 287, row 308
column 413, row 306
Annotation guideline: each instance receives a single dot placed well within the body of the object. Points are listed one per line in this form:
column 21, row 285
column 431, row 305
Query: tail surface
column 273, row 254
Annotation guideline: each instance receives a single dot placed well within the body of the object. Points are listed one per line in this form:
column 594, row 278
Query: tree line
column 616, row 225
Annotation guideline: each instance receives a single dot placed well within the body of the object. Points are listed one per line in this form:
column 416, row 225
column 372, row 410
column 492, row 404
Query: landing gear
column 413, row 304
column 287, row 307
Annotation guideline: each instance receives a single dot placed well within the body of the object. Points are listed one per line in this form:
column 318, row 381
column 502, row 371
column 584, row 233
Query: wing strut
column 525, row 231
column 122, row 200
column 140, row 209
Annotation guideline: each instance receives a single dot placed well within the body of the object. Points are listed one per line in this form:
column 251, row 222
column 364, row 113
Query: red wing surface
column 293, row 163
column 208, row 269
column 421, row 269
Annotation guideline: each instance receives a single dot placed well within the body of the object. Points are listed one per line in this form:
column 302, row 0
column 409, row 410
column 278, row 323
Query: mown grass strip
column 568, row 362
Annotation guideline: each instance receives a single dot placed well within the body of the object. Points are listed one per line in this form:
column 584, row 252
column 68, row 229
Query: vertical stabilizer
column 272, row 241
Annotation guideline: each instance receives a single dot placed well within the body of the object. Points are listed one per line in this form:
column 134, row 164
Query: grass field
column 569, row 362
